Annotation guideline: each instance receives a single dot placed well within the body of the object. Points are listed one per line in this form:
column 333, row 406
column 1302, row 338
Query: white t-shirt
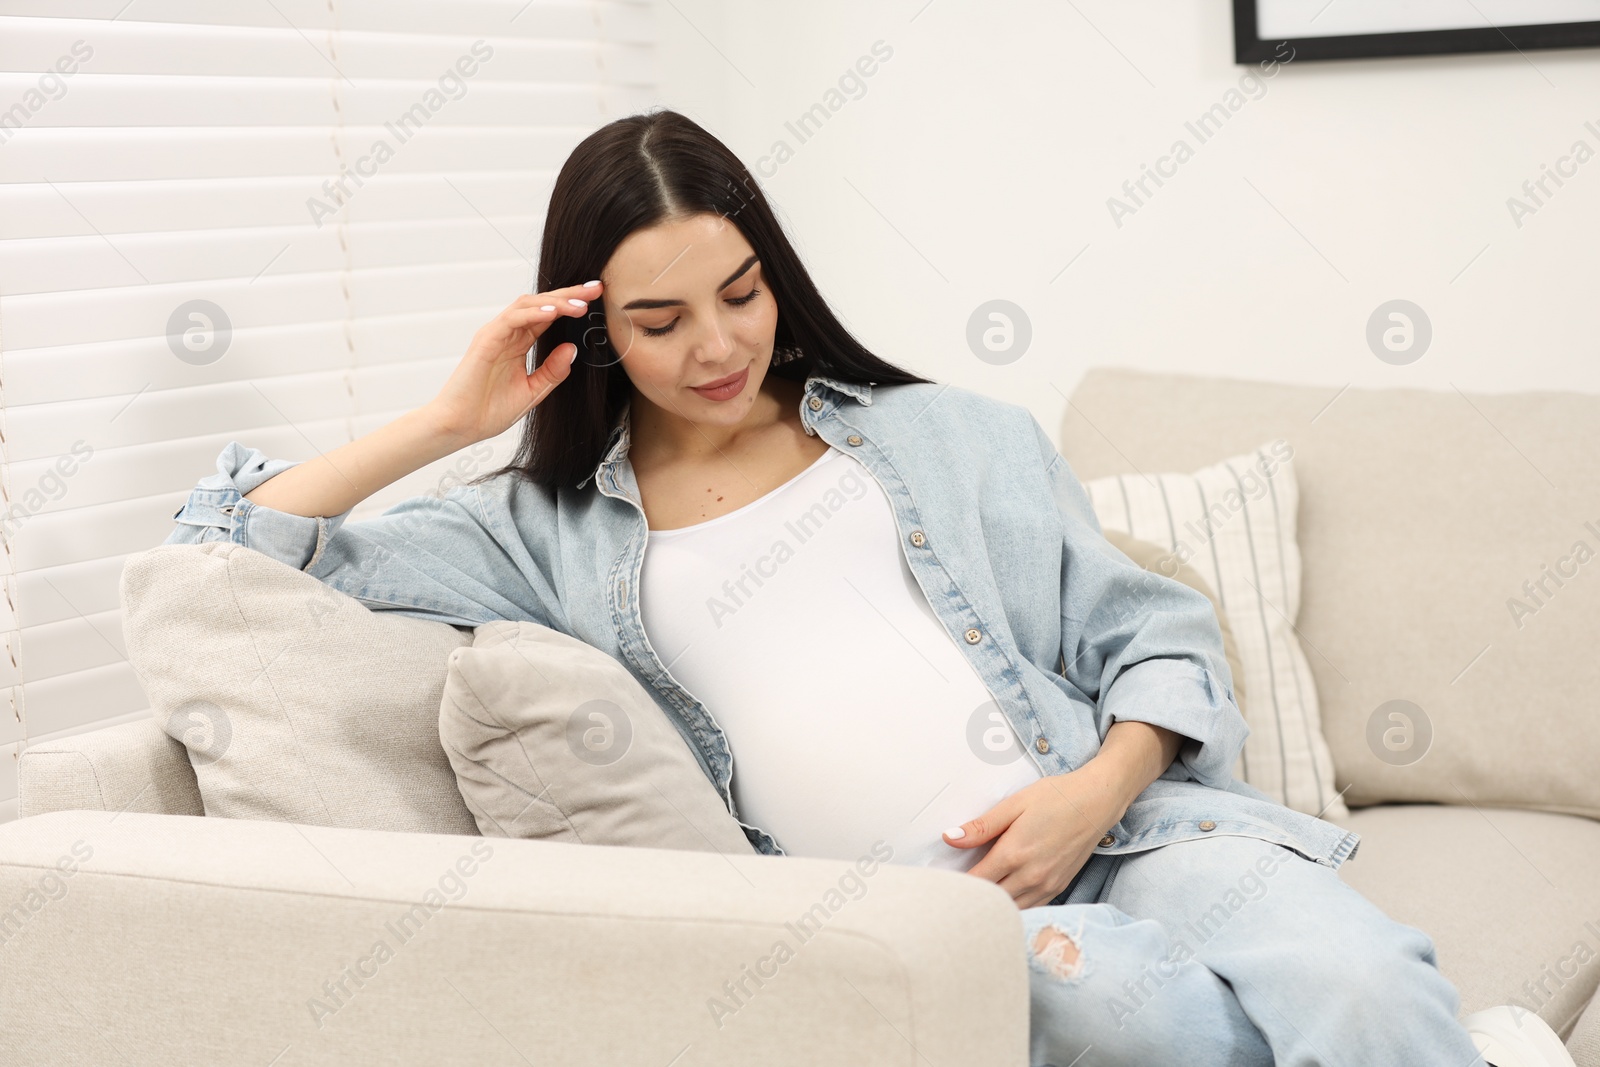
column 851, row 713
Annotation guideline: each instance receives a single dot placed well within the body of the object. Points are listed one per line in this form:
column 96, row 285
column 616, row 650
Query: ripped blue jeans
column 1234, row 952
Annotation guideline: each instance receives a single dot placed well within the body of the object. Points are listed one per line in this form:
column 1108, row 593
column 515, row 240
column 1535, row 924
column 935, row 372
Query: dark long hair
column 633, row 173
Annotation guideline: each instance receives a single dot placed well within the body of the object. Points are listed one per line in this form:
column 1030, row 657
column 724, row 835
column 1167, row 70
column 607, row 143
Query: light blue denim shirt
column 1066, row 632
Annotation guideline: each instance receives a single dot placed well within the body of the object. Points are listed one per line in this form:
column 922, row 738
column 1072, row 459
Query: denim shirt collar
column 817, row 387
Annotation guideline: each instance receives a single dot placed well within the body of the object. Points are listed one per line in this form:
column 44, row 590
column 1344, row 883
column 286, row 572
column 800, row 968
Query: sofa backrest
column 1451, row 554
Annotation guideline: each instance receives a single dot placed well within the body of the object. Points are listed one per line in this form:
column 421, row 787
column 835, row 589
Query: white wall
column 979, row 161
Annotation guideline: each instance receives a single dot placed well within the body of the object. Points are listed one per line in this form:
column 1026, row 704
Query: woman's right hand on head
column 490, row 389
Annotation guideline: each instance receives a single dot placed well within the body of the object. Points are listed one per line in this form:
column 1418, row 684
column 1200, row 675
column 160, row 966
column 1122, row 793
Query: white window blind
column 180, row 265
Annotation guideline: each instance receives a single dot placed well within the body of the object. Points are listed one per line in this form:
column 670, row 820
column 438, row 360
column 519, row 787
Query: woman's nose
column 714, row 344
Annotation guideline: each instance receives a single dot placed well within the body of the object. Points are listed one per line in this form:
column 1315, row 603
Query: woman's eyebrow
column 645, row 305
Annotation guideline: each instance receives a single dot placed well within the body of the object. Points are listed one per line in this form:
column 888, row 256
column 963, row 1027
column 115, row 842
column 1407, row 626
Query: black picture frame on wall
column 1249, row 47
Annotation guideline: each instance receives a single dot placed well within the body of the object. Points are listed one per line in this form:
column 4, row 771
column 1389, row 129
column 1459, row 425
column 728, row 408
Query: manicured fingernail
column 575, row 302
column 548, row 307
column 591, row 285
column 955, row 833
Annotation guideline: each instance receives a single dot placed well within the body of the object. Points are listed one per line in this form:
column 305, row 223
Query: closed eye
column 738, row 301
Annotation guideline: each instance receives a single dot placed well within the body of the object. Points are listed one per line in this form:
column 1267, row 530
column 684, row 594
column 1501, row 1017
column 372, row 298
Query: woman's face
column 686, row 304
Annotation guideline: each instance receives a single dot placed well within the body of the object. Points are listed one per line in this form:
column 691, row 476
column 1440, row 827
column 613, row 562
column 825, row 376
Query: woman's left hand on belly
column 1045, row 832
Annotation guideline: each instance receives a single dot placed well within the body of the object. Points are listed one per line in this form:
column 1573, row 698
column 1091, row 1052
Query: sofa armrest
column 210, row 940
column 133, row 766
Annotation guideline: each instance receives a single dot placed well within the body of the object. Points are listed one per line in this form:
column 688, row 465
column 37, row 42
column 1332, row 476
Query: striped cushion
column 1235, row 523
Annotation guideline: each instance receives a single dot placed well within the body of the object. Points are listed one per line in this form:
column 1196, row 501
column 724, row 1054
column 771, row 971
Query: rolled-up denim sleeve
column 454, row 558
column 217, row 511
column 1142, row 646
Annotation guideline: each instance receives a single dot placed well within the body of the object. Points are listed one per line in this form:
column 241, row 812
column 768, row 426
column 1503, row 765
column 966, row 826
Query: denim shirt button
column 973, row 637
column 1107, row 841
column 1042, row 745
column 1208, row 825
column 815, row 403
column 854, row 439
column 918, row 539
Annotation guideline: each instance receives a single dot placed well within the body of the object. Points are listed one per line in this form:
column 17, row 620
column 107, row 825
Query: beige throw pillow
column 1234, row 523
column 295, row 701
column 553, row 739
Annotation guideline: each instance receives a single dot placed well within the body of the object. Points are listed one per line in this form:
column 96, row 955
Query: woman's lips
column 724, row 388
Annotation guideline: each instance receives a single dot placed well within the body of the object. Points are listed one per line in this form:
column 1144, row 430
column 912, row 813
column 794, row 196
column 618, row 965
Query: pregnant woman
column 889, row 601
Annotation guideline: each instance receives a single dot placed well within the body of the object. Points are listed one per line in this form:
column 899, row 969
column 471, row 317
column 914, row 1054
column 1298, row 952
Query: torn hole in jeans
column 1059, row 954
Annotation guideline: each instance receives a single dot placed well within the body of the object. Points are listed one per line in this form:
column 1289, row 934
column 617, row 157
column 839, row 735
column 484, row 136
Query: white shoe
column 1509, row 1036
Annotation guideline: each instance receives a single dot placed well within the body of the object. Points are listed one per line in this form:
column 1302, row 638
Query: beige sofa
column 1422, row 513
column 192, row 939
